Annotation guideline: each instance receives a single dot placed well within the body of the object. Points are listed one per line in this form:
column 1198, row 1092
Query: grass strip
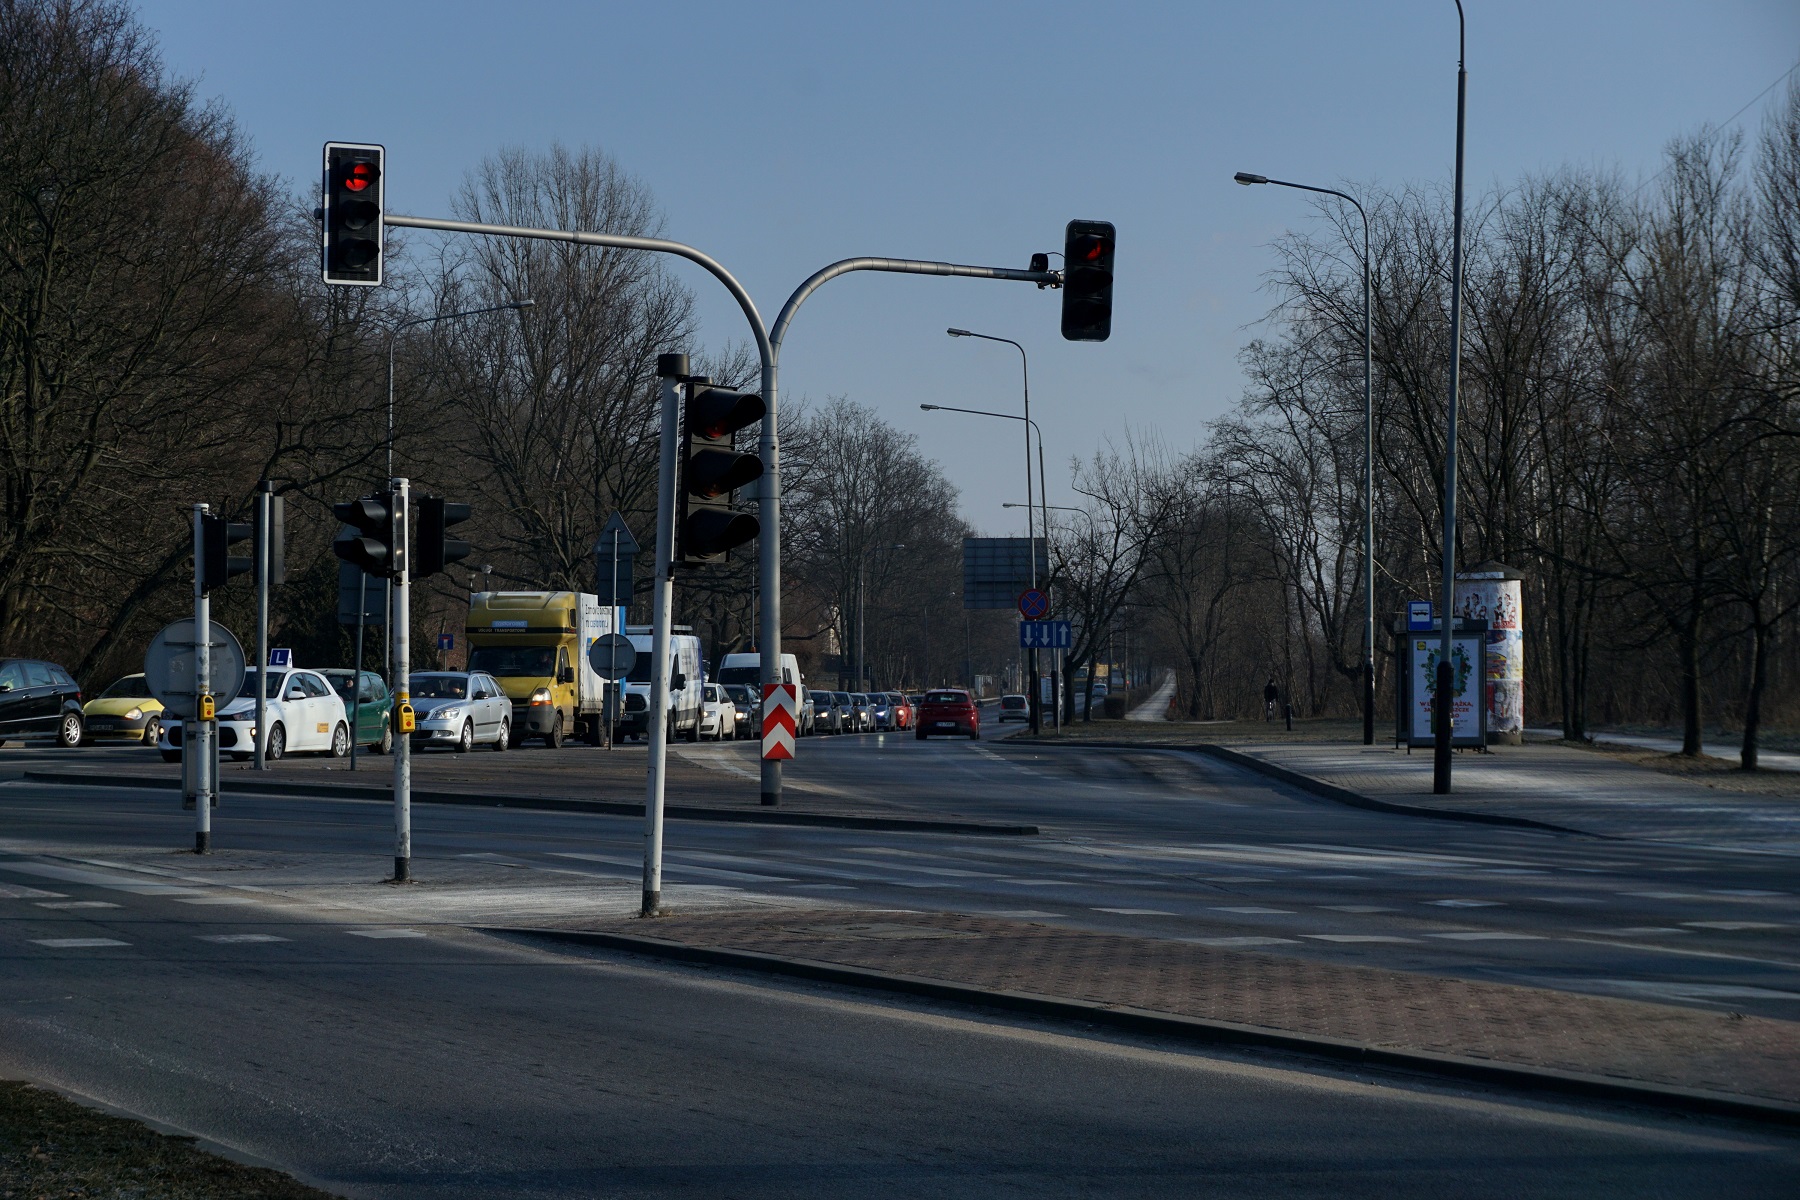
column 52, row 1146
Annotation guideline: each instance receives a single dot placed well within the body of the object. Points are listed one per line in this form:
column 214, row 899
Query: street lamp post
column 1030, row 536
column 1368, row 671
column 862, row 559
column 1446, row 671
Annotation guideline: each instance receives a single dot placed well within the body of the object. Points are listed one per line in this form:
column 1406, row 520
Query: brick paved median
column 1536, row 1027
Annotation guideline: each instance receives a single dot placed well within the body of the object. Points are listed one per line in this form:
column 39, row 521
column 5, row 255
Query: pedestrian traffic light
column 1087, row 281
column 354, row 194
column 368, row 543
column 217, row 562
column 711, row 468
column 433, row 547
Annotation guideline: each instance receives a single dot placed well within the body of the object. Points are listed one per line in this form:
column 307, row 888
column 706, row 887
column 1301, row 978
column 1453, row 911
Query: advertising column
column 1493, row 592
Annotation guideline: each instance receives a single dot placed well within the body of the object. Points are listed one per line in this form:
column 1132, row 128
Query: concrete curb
column 674, row 812
column 1318, row 787
column 1197, row 1029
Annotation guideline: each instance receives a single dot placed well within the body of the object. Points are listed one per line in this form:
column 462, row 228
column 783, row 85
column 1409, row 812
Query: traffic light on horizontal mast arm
column 355, row 193
column 711, row 469
column 1087, row 281
column 217, row 562
column 368, row 543
column 433, row 547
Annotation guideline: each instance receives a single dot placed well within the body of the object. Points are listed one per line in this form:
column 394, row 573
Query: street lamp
column 1368, row 697
column 1446, row 672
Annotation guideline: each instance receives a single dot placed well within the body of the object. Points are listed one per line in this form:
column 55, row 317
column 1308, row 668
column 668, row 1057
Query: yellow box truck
column 535, row 644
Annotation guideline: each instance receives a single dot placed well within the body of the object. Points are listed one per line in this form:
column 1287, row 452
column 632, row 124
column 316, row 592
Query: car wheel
column 465, row 741
column 171, row 755
column 152, row 731
column 975, row 735
column 505, row 739
column 386, row 744
column 340, row 741
column 554, row 739
column 277, row 744
column 68, row 734
column 693, row 734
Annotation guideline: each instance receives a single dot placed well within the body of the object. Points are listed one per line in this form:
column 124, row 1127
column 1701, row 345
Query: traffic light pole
column 670, row 368
column 769, row 489
column 263, row 506
column 196, row 739
column 401, row 632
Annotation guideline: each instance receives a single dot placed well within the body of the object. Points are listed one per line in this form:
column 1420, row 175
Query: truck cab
column 535, row 644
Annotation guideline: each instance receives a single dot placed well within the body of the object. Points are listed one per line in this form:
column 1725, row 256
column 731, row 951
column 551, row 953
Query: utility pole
column 264, row 515
column 1446, row 669
column 671, row 369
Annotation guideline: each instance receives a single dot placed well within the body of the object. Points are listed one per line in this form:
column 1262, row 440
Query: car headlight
column 134, row 714
column 452, row 713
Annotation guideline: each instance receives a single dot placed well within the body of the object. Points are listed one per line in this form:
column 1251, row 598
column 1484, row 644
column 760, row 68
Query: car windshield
column 248, row 691
column 130, row 687
column 946, row 698
column 439, row 687
column 739, row 692
column 530, row 662
column 751, row 674
column 1012, row 702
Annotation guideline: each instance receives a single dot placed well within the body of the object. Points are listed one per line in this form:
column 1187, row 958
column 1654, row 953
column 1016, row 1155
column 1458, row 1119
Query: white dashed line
column 1237, row 941
column 1466, row 903
column 385, row 933
column 1358, row 908
column 25, row 893
column 1353, row 937
column 1250, row 908
column 1637, row 930
column 239, row 939
column 1475, row 935
column 1730, row 926
column 76, row 904
column 78, row 943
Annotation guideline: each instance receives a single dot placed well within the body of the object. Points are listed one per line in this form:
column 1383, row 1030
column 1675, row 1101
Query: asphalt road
column 382, row 1053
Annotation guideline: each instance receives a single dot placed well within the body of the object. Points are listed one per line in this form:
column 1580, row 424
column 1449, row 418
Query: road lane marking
column 1743, row 892
column 115, row 883
column 215, row 900
column 78, row 943
column 1354, row 937
column 1136, row 912
column 1730, row 926
column 1466, row 903
column 1636, row 930
column 25, row 893
column 1037, row 882
column 1235, row 941
column 76, row 904
column 823, row 887
column 1250, row 908
column 1477, row 935
column 238, row 939
column 1358, row 908
column 384, row 933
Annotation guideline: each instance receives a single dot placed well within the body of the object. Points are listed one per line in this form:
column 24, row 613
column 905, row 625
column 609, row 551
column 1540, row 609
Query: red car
column 949, row 710
column 903, row 710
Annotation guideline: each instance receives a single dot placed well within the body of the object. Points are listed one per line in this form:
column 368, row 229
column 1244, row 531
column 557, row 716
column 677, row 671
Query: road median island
column 754, row 815
column 52, row 1146
column 1562, row 1042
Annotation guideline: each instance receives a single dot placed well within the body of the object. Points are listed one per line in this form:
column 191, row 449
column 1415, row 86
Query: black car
column 38, row 700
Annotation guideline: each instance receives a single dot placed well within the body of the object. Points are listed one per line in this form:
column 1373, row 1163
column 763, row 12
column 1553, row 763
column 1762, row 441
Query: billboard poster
column 1490, row 596
column 1466, row 650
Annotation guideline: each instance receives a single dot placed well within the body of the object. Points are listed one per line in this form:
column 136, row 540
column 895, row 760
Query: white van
column 746, row 668
column 687, row 686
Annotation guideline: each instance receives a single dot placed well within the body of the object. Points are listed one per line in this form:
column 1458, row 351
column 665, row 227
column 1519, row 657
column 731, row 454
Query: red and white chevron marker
column 781, row 709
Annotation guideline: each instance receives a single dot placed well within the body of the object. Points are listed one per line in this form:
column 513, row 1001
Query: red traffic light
column 1090, row 248
column 359, row 176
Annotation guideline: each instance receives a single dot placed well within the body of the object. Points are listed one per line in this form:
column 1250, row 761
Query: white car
column 304, row 713
column 460, row 710
column 718, row 714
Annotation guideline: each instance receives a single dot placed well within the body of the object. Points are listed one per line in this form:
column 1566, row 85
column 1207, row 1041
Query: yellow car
column 126, row 711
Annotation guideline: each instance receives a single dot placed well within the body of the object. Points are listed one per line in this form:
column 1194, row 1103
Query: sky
column 780, row 137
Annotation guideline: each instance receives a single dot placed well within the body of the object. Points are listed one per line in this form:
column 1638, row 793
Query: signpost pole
column 362, row 598
column 609, row 713
column 263, row 567
column 200, row 746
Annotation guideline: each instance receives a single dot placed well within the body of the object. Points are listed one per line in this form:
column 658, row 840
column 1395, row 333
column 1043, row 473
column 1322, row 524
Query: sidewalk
column 1380, row 1010
column 1766, row 760
column 1556, row 785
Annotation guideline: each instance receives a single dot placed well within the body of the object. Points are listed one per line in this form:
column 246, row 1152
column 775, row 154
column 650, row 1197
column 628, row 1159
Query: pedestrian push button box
column 406, row 717
column 207, row 707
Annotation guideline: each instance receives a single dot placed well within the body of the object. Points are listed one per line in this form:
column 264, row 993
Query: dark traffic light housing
column 1087, row 281
column 368, row 543
column 711, row 468
column 274, row 537
column 217, row 562
column 354, row 195
column 433, row 547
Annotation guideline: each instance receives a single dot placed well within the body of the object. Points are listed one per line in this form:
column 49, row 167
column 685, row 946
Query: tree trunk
column 1692, row 743
column 1759, row 668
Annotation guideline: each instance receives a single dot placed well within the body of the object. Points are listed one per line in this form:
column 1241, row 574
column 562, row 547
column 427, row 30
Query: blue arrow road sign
column 1045, row 635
